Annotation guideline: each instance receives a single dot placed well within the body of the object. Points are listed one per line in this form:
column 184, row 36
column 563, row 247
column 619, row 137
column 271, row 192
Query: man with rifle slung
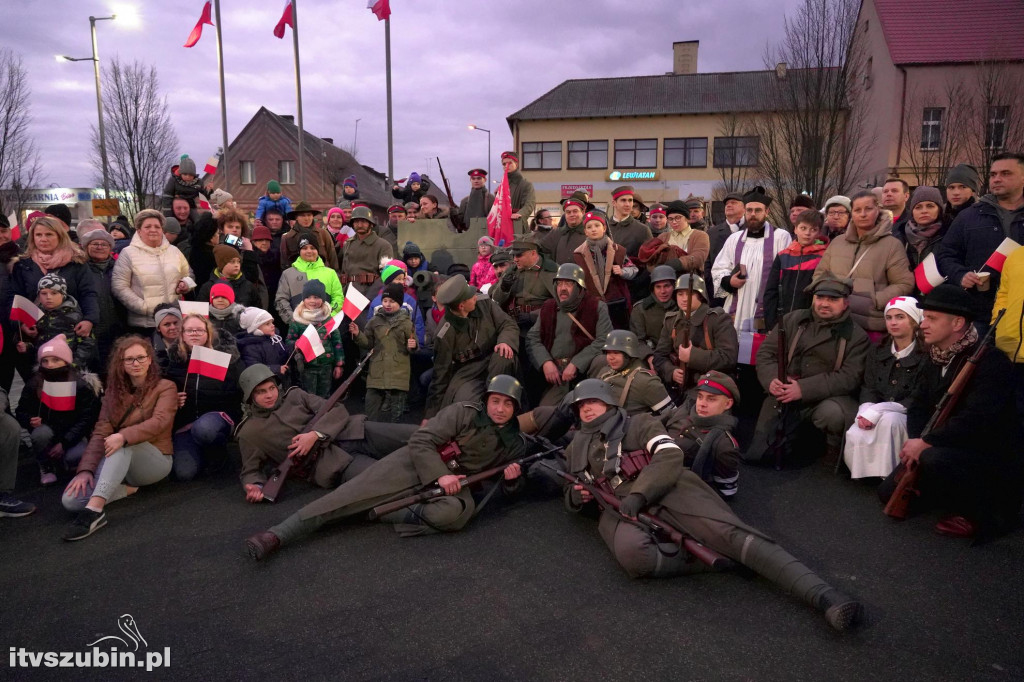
column 637, row 462
column 967, row 463
column 463, row 439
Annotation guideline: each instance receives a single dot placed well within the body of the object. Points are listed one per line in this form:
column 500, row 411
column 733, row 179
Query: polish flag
column 209, row 362
column 211, row 165
column 197, row 32
column 25, row 311
column 310, row 345
column 998, row 257
column 12, row 220
column 750, row 342
column 59, row 395
column 382, row 8
column 201, row 308
column 499, row 220
column 927, row 275
column 334, row 322
column 286, row 20
column 354, row 303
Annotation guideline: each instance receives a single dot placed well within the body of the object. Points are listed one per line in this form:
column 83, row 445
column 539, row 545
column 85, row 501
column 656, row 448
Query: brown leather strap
column 625, row 389
column 582, row 328
column 840, row 354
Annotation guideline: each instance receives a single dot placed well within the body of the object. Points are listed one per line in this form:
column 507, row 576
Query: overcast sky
column 454, row 62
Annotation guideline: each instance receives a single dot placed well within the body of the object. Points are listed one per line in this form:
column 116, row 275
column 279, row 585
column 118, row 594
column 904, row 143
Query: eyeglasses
column 675, row 218
column 194, row 332
column 838, row 213
column 138, row 360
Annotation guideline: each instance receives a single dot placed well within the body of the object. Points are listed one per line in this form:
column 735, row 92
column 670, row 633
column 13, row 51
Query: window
column 286, row 172
column 588, row 154
column 736, row 152
column 542, row 156
column 636, row 153
column 686, row 152
column 247, row 170
column 995, row 131
column 931, row 128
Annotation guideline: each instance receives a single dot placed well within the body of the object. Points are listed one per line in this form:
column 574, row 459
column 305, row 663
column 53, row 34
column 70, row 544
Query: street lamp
column 355, row 137
column 475, row 127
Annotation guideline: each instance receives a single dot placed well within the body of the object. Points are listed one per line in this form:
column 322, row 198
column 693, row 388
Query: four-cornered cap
column 758, row 195
column 657, row 208
column 572, row 273
column 593, row 389
column 510, row 155
column 720, row 384
column 831, row 285
column 624, row 342
column 663, row 273
column 363, row 213
column 302, row 207
column 621, row 191
column 683, row 284
column 503, row 384
column 455, row 291
column 599, row 216
column 252, row 377
column 528, row 242
column 477, row 173
column 578, row 198
column 950, row 299
column 678, row 207
column 396, row 209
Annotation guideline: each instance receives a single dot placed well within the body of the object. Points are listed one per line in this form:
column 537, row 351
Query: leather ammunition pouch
column 450, row 453
column 468, row 355
column 630, row 466
column 361, row 278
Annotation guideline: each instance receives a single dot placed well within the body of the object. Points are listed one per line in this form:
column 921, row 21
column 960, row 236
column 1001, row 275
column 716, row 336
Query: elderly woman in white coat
column 149, row 271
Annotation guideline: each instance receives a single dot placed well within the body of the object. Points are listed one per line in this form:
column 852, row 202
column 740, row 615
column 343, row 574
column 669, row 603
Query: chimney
column 328, row 140
column 288, row 117
column 684, row 57
column 781, row 69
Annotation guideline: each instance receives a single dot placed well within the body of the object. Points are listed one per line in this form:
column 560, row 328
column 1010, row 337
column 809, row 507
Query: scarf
column 918, row 236
column 52, row 261
column 944, row 357
column 475, row 205
column 597, row 251
column 304, row 315
column 612, row 427
column 573, row 302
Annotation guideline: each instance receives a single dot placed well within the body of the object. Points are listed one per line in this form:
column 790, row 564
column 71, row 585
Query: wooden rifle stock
column 272, row 488
column 906, row 476
column 648, row 521
column 779, row 445
column 453, row 210
column 685, row 341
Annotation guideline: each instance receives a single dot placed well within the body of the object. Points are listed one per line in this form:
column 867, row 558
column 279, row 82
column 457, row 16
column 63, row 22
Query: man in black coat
column 717, row 234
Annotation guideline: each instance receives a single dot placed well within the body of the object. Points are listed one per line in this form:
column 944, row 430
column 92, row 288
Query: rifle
column 272, row 488
column 649, row 522
column 435, row 491
column 905, row 475
column 453, row 213
column 778, row 444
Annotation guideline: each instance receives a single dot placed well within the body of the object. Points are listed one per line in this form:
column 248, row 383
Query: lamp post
column 355, row 137
column 475, row 127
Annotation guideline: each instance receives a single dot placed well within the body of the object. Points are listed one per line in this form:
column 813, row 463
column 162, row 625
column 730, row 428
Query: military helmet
column 663, row 273
column 593, row 389
column 364, row 213
column 625, row 342
column 571, row 272
column 683, row 283
column 252, row 377
column 503, row 384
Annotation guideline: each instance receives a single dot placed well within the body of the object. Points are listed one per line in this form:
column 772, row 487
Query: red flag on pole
column 209, row 362
column 499, row 220
column 382, row 8
column 197, row 32
column 998, row 257
column 310, row 345
column 354, row 303
column 59, row 395
column 25, row 311
column 286, row 20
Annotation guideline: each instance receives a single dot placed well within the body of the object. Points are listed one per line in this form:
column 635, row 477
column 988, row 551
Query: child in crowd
column 269, row 256
column 793, row 269
column 259, row 342
column 224, row 311
column 389, row 333
column 229, row 270
column 315, row 309
column 58, row 435
column 415, row 187
column 413, row 257
column 61, row 314
column 184, row 182
column 393, row 271
column 273, row 199
column 483, row 272
column 350, row 188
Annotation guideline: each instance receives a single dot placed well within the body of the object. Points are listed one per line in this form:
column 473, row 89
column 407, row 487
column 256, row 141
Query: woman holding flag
column 205, row 370
column 131, row 444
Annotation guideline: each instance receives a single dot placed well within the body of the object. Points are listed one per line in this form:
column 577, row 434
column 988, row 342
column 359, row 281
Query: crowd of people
column 627, row 334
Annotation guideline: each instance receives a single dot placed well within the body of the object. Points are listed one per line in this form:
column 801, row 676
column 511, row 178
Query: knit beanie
column 392, row 269
column 57, row 347
column 965, row 174
column 220, row 197
column 414, row 177
column 306, row 239
column 172, row 226
column 273, row 187
column 925, row 193
column 908, row 305
column 395, row 292
column 350, row 181
column 61, row 212
column 252, row 319
column 222, row 288
column 334, row 210
column 485, row 240
column 54, row 282
column 186, row 166
column 94, row 235
column 222, row 253
column 315, row 287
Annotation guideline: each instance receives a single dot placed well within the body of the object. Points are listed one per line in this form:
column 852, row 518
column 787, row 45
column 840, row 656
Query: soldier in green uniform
column 362, row 254
column 610, row 448
column 648, row 315
column 522, row 290
column 713, row 340
column 464, row 438
column 564, row 240
column 639, row 390
column 475, row 341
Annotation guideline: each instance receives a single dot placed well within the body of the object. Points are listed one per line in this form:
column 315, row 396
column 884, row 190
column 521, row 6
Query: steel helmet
column 683, row 283
column 252, row 377
column 506, row 385
column 595, row 389
column 663, row 273
column 624, row 342
column 573, row 273
column 364, row 213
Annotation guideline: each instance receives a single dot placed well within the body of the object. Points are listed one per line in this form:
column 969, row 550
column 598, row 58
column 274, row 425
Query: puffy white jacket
column 146, row 276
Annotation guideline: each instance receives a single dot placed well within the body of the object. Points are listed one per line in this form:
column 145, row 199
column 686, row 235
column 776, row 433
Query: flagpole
column 223, row 101
column 298, row 95
column 387, row 69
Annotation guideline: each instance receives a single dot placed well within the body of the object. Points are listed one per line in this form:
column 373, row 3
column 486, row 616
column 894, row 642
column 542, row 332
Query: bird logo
column 126, row 623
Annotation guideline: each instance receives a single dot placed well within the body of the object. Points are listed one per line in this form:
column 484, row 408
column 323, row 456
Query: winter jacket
column 176, row 187
column 888, row 379
column 69, row 426
column 245, row 291
column 202, row 393
column 334, row 352
column 262, row 350
column 284, row 205
column 409, row 305
column 405, row 194
column 914, row 257
column 877, row 264
column 227, row 322
column 792, row 272
column 388, row 335
column 1010, row 295
column 482, row 272
column 81, row 281
column 294, row 278
column 975, row 234
column 146, row 276
column 112, row 313
column 63, row 320
column 148, row 421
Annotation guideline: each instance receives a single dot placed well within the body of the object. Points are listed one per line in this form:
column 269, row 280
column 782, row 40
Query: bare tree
column 141, row 142
column 20, row 164
column 997, row 105
column 734, row 171
column 936, row 131
column 816, row 142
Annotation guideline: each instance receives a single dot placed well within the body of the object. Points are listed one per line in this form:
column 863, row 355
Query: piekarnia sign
column 616, row 176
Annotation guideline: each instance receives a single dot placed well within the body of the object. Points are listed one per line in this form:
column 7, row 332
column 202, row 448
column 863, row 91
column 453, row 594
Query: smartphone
column 232, row 240
column 743, row 271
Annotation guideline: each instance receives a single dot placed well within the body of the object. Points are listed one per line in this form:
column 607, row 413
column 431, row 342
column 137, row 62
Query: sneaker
column 85, row 524
column 46, row 476
column 13, row 507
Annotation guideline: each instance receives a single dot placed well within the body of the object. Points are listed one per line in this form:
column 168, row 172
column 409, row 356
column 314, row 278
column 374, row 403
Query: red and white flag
column 12, row 220
column 354, row 303
column 197, row 32
column 286, row 20
column 310, row 345
column 382, row 8
column 998, row 257
column 211, row 165
column 201, row 308
column 499, row 220
column 750, row 342
column 59, row 395
column 334, row 322
column 209, row 362
column 927, row 275
column 25, row 311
